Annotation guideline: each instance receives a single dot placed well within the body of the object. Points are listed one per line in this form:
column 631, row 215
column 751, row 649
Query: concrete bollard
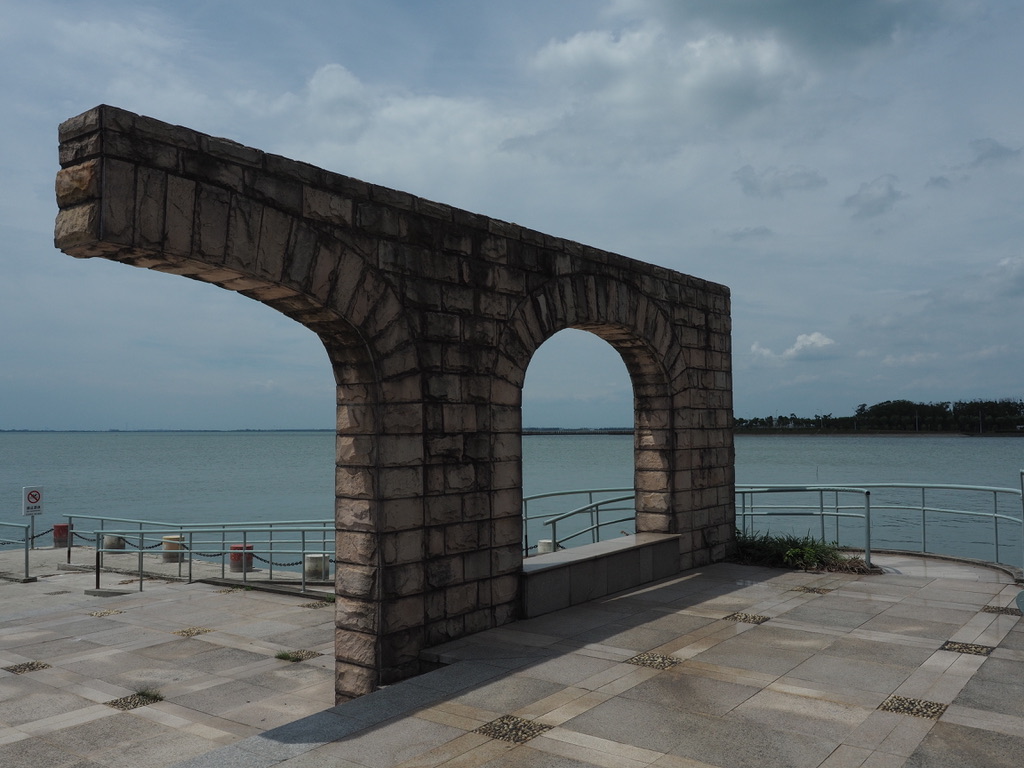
column 235, row 558
column 544, row 546
column 317, row 567
column 61, row 531
column 174, row 549
column 113, row 542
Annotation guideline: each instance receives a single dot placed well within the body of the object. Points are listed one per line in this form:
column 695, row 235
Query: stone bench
column 557, row 580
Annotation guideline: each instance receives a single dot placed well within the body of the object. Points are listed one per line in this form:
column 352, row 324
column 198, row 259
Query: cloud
column 821, row 30
column 875, row 197
column 807, row 346
column 750, row 233
column 774, row 182
column 989, row 152
column 644, row 92
column 939, row 182
column 916, row 358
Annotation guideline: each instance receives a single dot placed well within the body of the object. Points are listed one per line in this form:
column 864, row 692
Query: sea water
column 186, row 477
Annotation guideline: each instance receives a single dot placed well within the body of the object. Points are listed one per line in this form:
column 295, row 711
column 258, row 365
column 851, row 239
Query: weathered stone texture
column 430, row 316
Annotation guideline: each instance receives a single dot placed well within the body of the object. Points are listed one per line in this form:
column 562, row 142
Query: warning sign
column 31, row 501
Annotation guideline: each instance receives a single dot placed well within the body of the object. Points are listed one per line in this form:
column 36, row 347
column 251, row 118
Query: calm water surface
column 242, row 476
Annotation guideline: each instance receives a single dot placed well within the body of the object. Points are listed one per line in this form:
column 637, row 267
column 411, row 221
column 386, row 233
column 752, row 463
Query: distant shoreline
column 531, row 431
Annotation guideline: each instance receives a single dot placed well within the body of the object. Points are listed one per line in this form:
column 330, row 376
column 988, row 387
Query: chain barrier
column 38, row 535
column 184, row 547
column 13, row 541
column 279, row 565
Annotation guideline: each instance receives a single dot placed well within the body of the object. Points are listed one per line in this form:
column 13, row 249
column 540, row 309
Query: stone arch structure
column 429, row 315
column 619, row 312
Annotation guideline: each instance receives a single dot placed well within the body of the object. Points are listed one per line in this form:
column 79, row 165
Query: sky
column 852, row 171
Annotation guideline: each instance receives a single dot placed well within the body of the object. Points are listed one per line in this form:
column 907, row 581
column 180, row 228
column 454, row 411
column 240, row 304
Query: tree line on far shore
column 967, row 417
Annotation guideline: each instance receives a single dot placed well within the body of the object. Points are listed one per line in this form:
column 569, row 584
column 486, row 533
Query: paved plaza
column 727, row 666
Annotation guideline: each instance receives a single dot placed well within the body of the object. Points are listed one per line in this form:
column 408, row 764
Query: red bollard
column 235, row 558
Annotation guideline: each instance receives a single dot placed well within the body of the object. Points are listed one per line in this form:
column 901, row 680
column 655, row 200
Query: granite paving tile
column 677, row 689
column 948, row 744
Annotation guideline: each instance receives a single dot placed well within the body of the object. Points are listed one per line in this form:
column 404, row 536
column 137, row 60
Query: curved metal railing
column 594, row 508
column 830, row 504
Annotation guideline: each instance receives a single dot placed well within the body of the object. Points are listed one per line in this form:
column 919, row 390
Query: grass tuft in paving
column 297, row 655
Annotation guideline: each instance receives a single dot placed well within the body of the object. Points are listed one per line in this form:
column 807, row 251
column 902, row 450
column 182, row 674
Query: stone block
column 77, row 226
column 355, row 647
column 356, row 614
column 78, row 184
column 356, row 581
column 402, row 613
column 401, row 514
column 445, row 571
column 403, row 547
column 352, row 680
column 461, row 599
column 354, row 483
column 403, row 580
column 355, row 546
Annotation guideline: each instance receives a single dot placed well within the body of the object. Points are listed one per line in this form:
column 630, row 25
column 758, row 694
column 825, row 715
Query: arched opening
column 577, row 436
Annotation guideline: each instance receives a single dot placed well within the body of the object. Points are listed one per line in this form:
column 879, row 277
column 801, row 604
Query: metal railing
column 998, row 505
column 232, row 546
column 862, row 510
column 869, row 505
column 596, row 509
column 25, row 540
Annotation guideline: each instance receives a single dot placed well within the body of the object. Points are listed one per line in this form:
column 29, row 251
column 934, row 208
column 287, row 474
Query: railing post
column 26, row 552
column 924, row 522
column 821, row 513
column 99, row 558
column 995, row 521
column 302, row 557
column 71, row 537
column 867, row 528
column 526, row 528
column 142, row 548
column 1022, row 513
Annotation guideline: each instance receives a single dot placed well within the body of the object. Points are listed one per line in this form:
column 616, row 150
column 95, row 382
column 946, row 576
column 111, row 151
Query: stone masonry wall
column 430, row 316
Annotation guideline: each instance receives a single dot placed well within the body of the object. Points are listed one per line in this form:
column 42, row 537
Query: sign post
column 32, row 505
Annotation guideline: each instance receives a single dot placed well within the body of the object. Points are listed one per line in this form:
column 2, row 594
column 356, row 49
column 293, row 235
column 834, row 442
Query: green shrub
column 791, row 551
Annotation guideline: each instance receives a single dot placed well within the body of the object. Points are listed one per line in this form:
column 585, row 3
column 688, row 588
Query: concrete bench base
column 557, row 580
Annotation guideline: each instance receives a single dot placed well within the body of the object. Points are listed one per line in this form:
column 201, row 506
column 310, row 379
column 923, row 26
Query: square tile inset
column 28, row 666
column 747, row 618
column 512, row 729
column 930, row 710
column 654, row 660
column 193, row 631
column 1000, row 610
column 972, row 648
